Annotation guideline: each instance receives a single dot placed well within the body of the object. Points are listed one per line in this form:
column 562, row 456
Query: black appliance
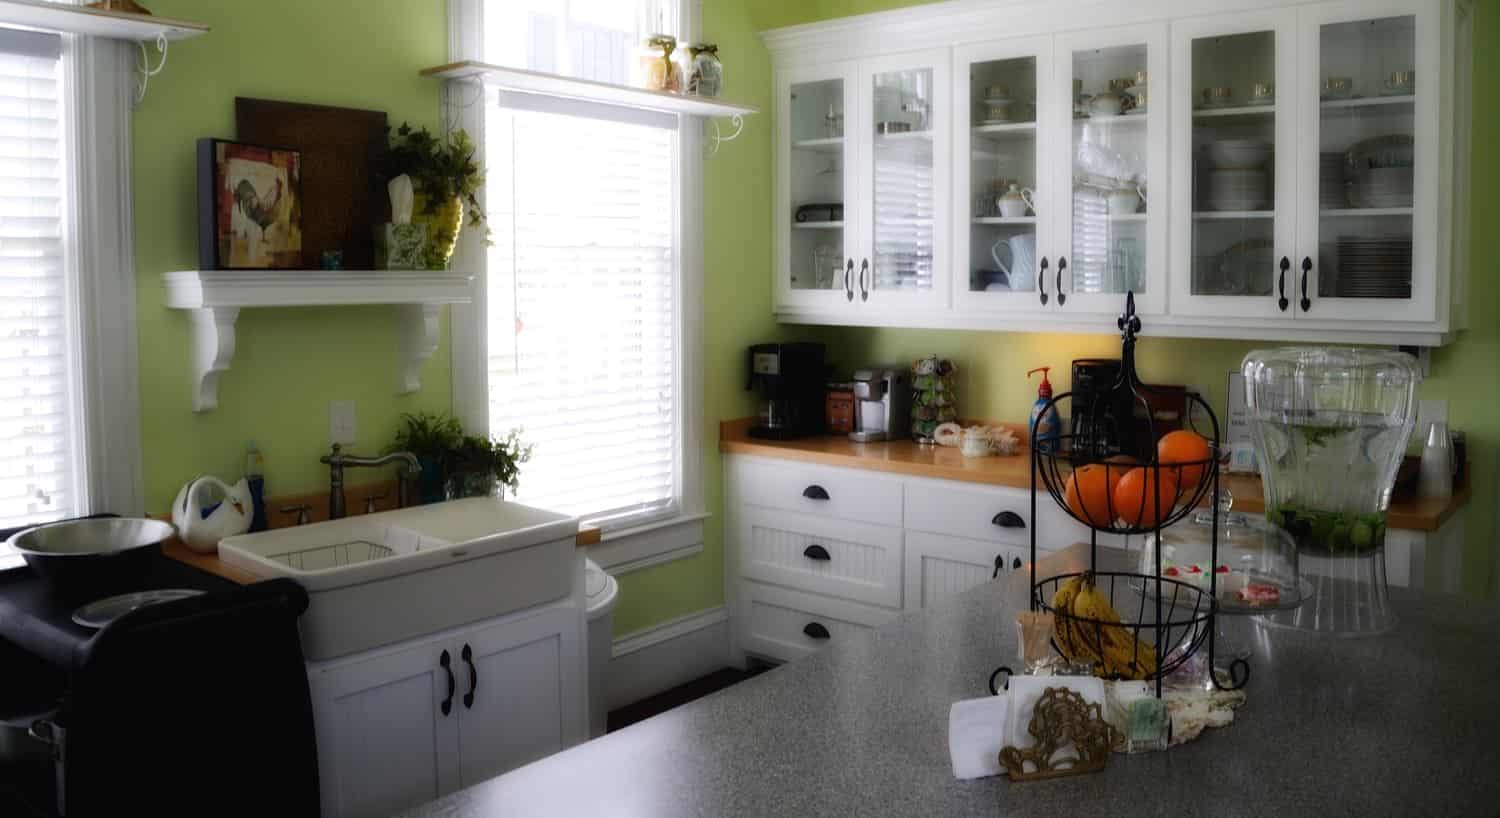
column 164, row 710
column 1100, row 413
column 790, row 378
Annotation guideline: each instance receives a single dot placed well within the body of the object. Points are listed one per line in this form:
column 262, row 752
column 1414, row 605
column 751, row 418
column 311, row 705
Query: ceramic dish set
column 1236, row 177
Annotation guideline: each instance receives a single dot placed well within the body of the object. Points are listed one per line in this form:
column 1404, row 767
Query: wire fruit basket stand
column 1128, row 625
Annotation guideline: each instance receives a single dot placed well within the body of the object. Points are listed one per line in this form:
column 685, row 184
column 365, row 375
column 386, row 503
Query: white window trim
column 651, row 541
column 99, row 75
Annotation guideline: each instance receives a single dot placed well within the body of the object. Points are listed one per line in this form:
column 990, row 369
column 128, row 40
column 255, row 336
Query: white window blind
column 583, row 305
column 41, row 477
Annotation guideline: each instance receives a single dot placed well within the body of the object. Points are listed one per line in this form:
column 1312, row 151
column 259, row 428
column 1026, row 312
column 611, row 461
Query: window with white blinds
column 41, row 472
column 583, row 304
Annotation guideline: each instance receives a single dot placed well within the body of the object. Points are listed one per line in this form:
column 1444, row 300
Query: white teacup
column 1123, row 201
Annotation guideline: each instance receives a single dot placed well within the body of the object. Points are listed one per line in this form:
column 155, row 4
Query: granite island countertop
column 1403, row 724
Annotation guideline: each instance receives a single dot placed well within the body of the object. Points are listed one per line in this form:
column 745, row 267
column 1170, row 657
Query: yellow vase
column 443, row 225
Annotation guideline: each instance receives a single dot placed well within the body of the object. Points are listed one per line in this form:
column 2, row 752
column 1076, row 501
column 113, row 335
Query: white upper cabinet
column 1234, row 197
column 1367, row 161
column 1110, row 238
column 1274, row 170
column 1003, row 190
column 862, row 173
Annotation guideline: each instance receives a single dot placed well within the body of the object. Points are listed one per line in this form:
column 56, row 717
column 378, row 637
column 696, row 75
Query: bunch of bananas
column 1114, row 652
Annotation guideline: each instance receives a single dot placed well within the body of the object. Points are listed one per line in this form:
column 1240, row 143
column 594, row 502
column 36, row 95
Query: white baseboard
column 664, row 656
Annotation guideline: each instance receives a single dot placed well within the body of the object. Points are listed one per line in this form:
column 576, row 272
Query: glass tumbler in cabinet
column 814, row 186
column 1113, row 236
column 1236, row 188
column 1370, row 126
column 999, row 197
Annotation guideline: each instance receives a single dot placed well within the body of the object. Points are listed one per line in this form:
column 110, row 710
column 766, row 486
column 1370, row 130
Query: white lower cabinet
column 405, row 724
column 781, row 624
column 938, row 567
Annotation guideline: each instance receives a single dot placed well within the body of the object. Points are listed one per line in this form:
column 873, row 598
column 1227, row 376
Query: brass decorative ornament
column 1061, row 718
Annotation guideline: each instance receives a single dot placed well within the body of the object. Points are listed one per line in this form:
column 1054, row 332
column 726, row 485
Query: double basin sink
column 381, row 578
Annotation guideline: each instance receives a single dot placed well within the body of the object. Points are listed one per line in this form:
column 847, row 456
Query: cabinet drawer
column 820, row 490
column 991, row 514
column 938, row 566
column 842, row 558
column 786, row 625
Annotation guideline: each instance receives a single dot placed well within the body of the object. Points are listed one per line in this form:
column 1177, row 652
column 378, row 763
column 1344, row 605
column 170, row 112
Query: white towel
column 976, row 732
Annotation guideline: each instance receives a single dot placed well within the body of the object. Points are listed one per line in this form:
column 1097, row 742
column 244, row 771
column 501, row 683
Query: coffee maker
column 790, row 379
column 882, row 404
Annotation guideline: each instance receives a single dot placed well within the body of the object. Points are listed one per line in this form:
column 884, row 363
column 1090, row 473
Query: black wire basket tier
column 1142, row 644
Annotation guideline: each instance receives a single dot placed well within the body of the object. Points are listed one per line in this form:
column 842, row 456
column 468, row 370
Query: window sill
column 653, row 543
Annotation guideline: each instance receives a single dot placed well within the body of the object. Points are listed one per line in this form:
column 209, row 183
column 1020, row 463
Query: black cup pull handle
column 849, row 281
column 468, row 657
column 1042, row 280
column 1008, row 519
column 817, row 552
column 1306, row 268
column 446, row 662
column 815, row 492
column 1062, row 264
column 1286, row 264
column 815, row 630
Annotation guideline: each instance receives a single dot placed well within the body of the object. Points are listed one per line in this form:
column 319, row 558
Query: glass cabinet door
column 1000, row 190
column 1234, row 190
column 815, row 174
column 1367, row 124
column 903, row 175
column 1113, row 240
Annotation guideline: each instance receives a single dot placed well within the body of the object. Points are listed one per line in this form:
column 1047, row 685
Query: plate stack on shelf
column 1236, row 178
column 1380, row 171
column 1331, row 190
column 1374, row 267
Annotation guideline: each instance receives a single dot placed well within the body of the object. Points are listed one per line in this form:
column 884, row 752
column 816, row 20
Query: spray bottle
column 1045, row 424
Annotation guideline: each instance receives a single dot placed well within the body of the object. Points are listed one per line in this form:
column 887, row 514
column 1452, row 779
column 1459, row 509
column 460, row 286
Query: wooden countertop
column 906, row 458
column 587, row 535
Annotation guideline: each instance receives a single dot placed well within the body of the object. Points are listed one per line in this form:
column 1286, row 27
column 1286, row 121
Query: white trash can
column 602, row 591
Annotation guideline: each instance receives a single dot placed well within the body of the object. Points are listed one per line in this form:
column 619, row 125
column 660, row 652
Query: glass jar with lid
column 703, row 74
column 1257, row 569
column 655, row 69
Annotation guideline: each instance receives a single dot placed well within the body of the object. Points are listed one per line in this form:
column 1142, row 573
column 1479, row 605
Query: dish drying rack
column 1178, row 615
column 336, row 555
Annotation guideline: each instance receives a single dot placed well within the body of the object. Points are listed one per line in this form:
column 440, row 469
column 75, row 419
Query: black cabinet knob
column 815, row 630
column 1008, row 519
column 817, row 552
column 815, row 492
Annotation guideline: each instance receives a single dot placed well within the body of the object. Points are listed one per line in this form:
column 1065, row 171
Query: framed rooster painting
column 249, row 206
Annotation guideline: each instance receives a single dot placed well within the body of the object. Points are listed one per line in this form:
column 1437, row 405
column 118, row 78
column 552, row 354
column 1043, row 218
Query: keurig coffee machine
column 790, row 378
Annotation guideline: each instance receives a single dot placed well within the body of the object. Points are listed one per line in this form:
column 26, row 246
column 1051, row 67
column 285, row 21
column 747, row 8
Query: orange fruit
column 1133, row 501
column 1183, row 446
column 1087, row 494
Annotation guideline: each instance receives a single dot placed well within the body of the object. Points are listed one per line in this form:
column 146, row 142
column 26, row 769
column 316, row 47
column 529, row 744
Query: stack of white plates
column 1382, row 187
column 1236, row 178
column 1374, row 267
column 1331, row 192
column 1236, row 189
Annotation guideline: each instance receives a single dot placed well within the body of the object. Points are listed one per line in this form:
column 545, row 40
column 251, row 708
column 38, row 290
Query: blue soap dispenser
column 1045, row 424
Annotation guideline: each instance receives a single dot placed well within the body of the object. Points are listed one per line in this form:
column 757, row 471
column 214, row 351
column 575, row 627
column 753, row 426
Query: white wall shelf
column 837, row 225
column 555, row 85
column 215, row 298
column 91, row 22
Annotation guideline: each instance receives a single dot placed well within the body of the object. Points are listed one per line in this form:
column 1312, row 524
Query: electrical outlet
column 341, row 422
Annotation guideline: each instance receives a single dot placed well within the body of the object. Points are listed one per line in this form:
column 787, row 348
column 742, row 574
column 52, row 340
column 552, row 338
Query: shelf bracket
column 717, row 138
column 144, row 72
column 213, row 351
column 419, row 340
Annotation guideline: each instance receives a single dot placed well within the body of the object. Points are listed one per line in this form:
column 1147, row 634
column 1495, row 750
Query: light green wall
column 289, row 363
column 993, row 364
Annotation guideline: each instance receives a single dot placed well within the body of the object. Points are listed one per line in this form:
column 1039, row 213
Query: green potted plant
column 446, row 180
column 431, row 436
column 484, row 466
